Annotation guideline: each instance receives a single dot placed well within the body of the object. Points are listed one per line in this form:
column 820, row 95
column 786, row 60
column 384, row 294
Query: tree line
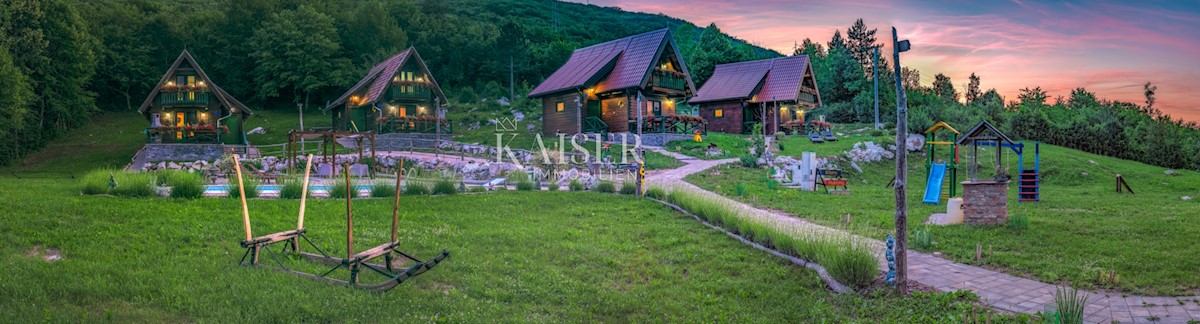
column 67, row 59
column 1080, row 121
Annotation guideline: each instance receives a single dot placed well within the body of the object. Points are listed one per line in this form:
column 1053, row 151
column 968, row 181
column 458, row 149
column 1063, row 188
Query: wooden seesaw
column 354, row 262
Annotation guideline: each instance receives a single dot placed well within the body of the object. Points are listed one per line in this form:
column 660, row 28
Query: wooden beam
column 304, row 192
column 237, row 165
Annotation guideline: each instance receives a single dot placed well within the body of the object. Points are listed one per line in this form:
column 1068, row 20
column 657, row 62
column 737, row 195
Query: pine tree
column 837, row 41
column 972, row 89
column 861, row 42
column 942, row 87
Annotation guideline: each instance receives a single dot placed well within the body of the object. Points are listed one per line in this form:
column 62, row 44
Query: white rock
column 1186, row 198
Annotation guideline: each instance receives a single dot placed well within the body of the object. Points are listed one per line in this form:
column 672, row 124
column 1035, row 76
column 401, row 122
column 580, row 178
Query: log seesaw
column 353, row 262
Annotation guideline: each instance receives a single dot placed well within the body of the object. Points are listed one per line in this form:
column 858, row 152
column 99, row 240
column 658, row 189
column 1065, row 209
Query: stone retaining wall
column 406, row 141
column 184, row 152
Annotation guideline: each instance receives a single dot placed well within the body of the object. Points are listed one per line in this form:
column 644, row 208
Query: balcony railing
column 676, row 124
column 669, row 79
column 199, row 134
column 183, row 98
column 418, row 124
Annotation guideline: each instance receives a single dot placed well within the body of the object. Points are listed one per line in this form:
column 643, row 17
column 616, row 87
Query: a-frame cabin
column 398, row 95
column 186, row 106
column 596, row 90
column 740, row 95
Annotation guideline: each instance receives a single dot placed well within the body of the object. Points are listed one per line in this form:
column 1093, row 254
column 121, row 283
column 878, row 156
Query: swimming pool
column 274, row 188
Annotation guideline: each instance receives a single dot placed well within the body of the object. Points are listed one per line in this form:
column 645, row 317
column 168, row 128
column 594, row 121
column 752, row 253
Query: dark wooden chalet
column 739, row 95
column 186, row 106
column 596, row 90
column 398, row 95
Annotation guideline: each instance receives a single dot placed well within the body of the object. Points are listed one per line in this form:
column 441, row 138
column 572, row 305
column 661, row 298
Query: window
column 559, row 107
column 719, row 113
column 656, row 108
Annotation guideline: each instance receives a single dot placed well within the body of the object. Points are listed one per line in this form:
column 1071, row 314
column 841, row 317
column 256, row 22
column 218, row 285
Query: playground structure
column 985, row 201
column 943, row 175
column 354, row 262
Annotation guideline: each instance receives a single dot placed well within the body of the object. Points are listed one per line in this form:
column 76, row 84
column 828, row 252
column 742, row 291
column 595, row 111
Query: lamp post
column 901, row 169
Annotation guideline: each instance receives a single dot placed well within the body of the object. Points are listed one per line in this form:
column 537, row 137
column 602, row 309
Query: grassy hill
column 1080, row 229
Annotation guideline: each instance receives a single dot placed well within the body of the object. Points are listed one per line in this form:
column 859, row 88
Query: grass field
column 516, row 256
column 1080, row 229
column 734, row 145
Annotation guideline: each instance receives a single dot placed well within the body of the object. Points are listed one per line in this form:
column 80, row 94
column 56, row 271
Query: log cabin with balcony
column 597, row 89
column 186, row 106
column 739, row 95
column 398, row 95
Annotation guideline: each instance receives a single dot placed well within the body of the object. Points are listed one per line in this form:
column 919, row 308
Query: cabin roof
column 226, row 99
column 613, row 65
column 769, row 80
column 379, row 76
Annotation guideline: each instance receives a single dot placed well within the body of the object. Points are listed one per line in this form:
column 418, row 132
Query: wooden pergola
column 328, row 138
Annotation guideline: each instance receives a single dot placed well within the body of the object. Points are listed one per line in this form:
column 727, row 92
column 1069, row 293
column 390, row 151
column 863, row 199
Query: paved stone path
column 999, row 290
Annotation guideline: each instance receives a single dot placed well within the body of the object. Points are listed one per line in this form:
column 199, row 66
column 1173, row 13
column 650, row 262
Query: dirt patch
column 49, row 255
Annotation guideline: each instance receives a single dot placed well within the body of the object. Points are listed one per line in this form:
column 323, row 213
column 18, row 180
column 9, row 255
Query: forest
column 65, row 60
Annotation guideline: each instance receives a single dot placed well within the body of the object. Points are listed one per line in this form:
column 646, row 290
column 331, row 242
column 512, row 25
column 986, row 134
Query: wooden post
column 304, row 192
column 396, row 202
column 901, row 172
column 237, row 165
column 349, row 216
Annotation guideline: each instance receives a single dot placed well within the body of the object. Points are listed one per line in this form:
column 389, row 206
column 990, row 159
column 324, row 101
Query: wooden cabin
column 597, row 89
column 739, row 95
column 398, row 95
column 186, row 106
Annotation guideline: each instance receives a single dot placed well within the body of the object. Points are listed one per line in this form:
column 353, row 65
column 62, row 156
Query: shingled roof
column 226, row 99
column 613, row 65
column 378, row 78
column 768, row 80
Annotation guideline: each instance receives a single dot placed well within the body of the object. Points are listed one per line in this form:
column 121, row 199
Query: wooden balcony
column 194, row 135
column 420, row 124
column 183, row 98
column 675, row 124
column 668, row 80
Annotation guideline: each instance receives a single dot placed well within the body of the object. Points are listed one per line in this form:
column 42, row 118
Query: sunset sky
column 1110, row 48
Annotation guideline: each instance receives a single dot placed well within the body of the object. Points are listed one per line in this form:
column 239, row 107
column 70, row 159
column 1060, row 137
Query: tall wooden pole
column 304, row 192
column 901, row 171
column 396, row 202
column 875, row 77
column 349, row 214
column 237, row 165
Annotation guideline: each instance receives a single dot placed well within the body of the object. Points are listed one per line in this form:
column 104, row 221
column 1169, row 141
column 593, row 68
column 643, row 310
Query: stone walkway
column 999, row 290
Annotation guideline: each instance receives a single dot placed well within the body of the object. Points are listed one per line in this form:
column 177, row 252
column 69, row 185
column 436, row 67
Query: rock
column 1170, row 172
column 1084, row 174
column 1185, row 198
column 915, row 142
column 868, row 152
column 257, row 130
column 518, row 116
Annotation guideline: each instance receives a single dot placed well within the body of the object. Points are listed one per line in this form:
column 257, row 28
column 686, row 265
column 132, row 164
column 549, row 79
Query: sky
column 1110, row 48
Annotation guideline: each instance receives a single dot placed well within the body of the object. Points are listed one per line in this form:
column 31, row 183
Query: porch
column 415, row 124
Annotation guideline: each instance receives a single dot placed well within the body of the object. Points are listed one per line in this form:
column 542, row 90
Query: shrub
column 1018, row 222
column 553, row 186
column 1068, row 304
column 656, row 193
column 185, row 185
column 251, row 185
column 748, row 161
column 444, row 187
column 575, row 185
column 292, row 189
column 606, row 187
column 525, row 185
column 477, row 189
column 338, row 190
column 853, row 263
column 134, row 185
column 383, row 189
column 923, row 238
column 628, row 188
column 96, row 182
column 415, row 189
column 781, row 146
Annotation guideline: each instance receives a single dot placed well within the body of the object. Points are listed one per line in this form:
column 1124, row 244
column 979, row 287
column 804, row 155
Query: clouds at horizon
column 1111, row 49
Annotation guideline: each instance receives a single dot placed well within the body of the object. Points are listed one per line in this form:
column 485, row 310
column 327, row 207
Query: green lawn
column 516, row 256
column 1080, row 229
column 734, row 145
column 109, row 140
column 278, row 123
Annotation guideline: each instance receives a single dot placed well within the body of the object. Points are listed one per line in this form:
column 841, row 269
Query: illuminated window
column 559, row 107
column 719, row 113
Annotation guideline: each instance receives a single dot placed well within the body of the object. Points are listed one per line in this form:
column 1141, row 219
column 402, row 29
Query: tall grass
column 606, row 186
column 1069, row 303
column 415, row 189
column 251, row 185
column 575, row 185
column 849, row 260
column 656, row 193
column 185, row 185
column 338, row 190
column 129, row 184
column 383, row 189
column 628, row 188
column 1018, row 222
column 923, row 238
column 444, row 187
column 292, row 189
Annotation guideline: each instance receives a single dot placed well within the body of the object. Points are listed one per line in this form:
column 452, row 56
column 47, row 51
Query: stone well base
column 985, row 202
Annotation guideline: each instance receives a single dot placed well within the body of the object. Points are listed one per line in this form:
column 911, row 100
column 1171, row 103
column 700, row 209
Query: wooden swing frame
column 354, row 262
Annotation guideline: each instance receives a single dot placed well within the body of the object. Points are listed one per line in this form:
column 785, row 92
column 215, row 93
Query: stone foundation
column 406, row 141
column 985, row 202
column 183, row 152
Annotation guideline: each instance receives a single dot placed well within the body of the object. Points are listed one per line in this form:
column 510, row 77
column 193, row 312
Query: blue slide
column 933, row 188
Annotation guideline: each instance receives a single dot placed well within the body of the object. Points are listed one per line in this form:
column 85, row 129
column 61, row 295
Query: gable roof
column 379, row 76
column 226, row 99
column 940, row 126
column 776, row 79
column 613, row 65
column 975, row 134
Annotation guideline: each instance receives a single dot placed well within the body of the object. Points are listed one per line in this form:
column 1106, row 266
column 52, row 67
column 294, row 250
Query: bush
column 444, row 187
column 606, row 187
column 185, row 185
column 129, row 184
column 415, row 189
column 292, row 189
column 251, row 185
column 1068, row 304
column 877, row 132
column 525, row 186
column 853, row 264
column 553, row 186
column 96, row 182
column 1018, row 222
column 383, row 189
column 338, row 190
column 748, row 161
column 575, row 185
column 477, row 189
column 628, row 188
column 923, row 238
